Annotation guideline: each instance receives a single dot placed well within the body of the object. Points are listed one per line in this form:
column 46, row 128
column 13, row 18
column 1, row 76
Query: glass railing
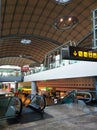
column 52, row 65
column 10, row 72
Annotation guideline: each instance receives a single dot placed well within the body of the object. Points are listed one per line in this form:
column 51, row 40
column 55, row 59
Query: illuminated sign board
column 82, row 54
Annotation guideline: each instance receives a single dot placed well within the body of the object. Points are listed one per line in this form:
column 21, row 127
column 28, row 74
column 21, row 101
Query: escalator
column 14, row 111
column 35, row 102
column 10, row 107
column 69, row 98
column 76, row 95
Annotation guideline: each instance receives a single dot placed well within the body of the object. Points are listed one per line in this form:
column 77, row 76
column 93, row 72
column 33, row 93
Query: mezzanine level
column 78, row 69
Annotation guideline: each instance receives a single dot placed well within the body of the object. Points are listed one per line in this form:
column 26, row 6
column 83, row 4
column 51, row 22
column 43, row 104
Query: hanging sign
column 82, row 54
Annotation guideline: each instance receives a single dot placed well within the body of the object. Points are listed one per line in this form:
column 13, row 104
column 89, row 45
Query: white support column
column 16, row 86
column 34, row 88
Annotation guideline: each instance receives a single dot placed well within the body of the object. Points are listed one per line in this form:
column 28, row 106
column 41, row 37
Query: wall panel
column 68, row 84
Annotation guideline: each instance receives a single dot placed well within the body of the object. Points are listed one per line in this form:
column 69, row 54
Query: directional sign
column 75, row 53
column 82, row 54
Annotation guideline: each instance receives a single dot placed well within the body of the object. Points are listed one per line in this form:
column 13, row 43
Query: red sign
column 24, row 69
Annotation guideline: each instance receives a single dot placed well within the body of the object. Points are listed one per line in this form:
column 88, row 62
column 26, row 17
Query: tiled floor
column 75, row 116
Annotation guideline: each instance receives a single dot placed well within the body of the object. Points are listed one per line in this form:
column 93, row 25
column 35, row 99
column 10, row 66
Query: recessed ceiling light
column 25, row 41
column 65, row 22
column 62, row 1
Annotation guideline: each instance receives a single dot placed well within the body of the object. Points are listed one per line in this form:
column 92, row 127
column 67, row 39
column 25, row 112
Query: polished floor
column 73, row 116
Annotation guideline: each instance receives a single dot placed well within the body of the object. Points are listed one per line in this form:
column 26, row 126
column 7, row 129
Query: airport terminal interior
column 48, row 64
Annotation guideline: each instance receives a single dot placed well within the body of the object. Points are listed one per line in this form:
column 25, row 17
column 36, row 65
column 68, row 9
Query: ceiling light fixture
column 65, row 22
column 62, row 1
column 26, row 41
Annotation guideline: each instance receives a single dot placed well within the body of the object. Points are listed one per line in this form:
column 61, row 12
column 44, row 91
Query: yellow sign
column 82, row 53
column 90, row 54
column 85, row 54
column 75, row 53
column 94, row 55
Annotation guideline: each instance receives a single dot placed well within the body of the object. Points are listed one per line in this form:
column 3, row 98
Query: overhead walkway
column 58, row 65
column 10, row 74
column 11, row 78
column 75, row 70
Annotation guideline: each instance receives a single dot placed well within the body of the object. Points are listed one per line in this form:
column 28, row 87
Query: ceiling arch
column 33, row 19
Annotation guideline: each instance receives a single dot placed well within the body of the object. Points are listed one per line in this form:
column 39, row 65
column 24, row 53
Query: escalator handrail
column 72, row 92
column 35, row 106
column 21, row 106
column 88, row 93
column 29, row 98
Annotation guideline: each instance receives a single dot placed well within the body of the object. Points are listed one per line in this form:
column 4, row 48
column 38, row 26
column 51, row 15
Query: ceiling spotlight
column 65, row 22
column 62, row 1
column 25, row 41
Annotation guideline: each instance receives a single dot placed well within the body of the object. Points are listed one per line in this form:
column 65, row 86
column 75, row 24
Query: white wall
column 80, row 69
